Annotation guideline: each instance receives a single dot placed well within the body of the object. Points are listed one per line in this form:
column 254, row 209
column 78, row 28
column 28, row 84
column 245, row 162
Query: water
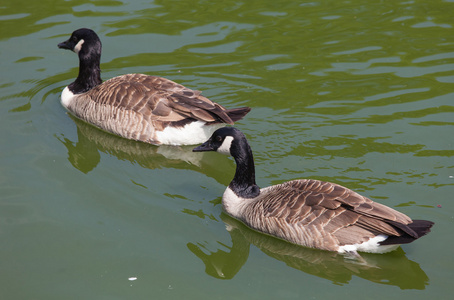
column 358, row 93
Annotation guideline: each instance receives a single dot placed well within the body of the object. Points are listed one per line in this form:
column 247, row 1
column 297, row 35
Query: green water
column 355, row 92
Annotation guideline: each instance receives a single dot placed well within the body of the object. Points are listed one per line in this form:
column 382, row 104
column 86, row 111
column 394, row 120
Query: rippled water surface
column 355, row 92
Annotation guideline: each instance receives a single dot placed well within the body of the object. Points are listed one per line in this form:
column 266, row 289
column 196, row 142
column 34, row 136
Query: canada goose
column 308, row 212
column 146, row 108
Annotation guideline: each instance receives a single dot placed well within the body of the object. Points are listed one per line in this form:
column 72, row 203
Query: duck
column 308, row 212
column 139, row 107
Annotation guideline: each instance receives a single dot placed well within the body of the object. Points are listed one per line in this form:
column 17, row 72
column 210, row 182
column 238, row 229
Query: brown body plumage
column 321, row 215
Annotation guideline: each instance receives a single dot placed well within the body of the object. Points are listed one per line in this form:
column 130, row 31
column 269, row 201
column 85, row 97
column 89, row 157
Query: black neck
column 243, row 183
column 89, row 73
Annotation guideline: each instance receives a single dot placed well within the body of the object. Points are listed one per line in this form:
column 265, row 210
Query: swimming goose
column 146, row 108
column 309, row 212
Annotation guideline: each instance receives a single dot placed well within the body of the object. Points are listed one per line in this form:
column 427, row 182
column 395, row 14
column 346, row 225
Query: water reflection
column 392, row 269
column 84, row 154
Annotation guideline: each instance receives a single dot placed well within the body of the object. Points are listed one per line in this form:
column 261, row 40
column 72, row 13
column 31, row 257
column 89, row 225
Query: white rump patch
column 78, row 46
column 66, row 97
column 225, row 147
column 370, row 246
column 191, row 134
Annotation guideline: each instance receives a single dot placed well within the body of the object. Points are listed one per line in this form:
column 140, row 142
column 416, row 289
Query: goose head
column 84, row 42
column 231, row 141
column 226, row 140
column 87, row 45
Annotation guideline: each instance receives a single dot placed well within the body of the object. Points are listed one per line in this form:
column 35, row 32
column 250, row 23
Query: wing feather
column 158, row 98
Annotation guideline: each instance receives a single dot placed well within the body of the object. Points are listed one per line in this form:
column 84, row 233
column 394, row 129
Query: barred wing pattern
column 321, row 215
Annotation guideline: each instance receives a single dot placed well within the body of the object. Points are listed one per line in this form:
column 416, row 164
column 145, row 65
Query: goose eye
column 218, row 138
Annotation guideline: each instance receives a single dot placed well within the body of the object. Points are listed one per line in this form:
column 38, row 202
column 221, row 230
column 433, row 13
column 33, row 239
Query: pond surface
column 359, row 93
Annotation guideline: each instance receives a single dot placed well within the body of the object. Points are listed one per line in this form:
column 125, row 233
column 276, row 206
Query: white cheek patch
column 79, row 46
column 225, row 147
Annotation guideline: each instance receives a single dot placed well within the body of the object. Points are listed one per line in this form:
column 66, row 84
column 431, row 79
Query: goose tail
column 411, row 232
column 237, row 114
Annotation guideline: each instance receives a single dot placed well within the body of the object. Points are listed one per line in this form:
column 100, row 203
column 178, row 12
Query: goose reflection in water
column 84, row 154
column 393, row 268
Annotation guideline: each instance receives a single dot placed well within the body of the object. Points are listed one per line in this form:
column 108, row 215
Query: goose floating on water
column 140, row 107
column 308, row 212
